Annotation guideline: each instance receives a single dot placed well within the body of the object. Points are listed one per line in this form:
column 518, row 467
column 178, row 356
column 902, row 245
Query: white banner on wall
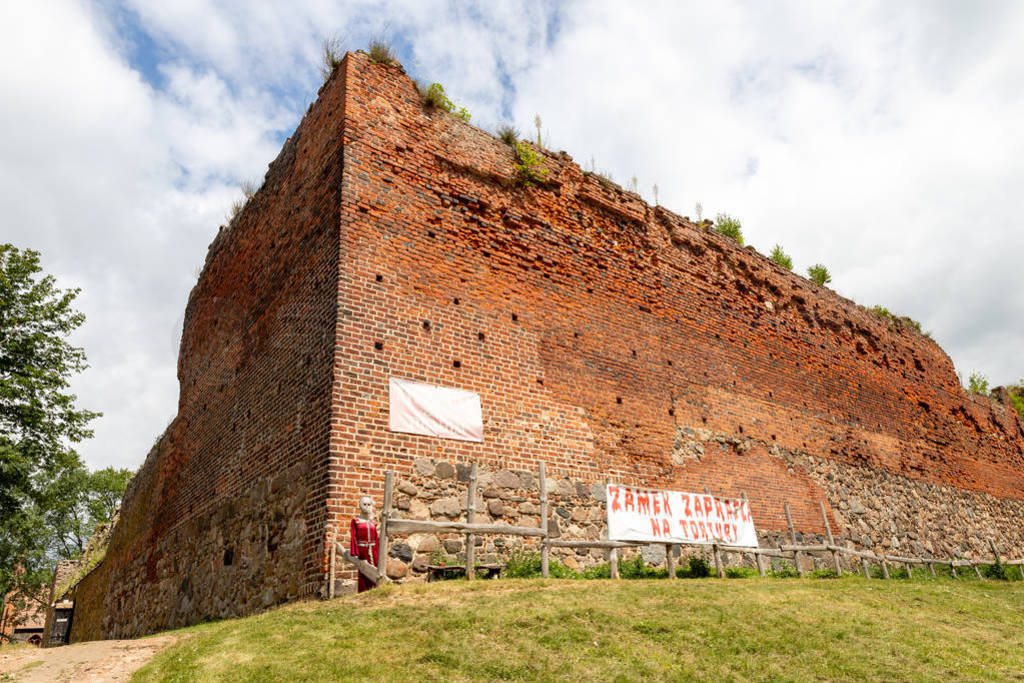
column 418, row 408
column 674, row 517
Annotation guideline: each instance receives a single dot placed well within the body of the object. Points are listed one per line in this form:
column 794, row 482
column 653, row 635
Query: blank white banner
column 418, row 408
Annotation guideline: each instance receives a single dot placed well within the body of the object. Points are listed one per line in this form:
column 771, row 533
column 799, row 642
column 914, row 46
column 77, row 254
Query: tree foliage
column 819, row 275
column 729, row 227
column 781, row 257
column 977, row 383
column 39, row 421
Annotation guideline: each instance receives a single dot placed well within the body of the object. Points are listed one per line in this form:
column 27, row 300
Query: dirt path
column 102, row 660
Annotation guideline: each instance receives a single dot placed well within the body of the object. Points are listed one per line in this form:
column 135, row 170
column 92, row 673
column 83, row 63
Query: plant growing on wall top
column 508, row 134
column 730, row 227
column 529, row 169
column 331, row 55
column 977, row 383
column 380, row 52
column 434, row 97
column 819, row 275
column 781, row 257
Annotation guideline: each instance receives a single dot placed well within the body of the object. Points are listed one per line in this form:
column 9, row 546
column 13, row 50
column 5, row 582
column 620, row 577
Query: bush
column 901, row 321
column 994, row 571
column 380, row 52
column 740, row 573
column 330, row 57
column 977, row 383
column 784, row 572
column 529, row 169
column 1017, row 397
column 636, row 568
column 525, row 564
column 781, row 257
column 434, row 97
column 819, row 275
column 824, row 574
column 730, row 227
column 696, row 568
column 508, row 134
column 600, row 571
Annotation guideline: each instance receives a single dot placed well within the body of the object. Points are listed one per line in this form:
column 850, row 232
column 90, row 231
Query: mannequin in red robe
column 364, row 542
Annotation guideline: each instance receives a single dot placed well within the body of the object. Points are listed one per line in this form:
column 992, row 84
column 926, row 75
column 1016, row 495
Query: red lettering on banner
column 643, row 504
column 655, row 527
column 745, row 511
column 694, row 531
column 718, row 509
column 666, row 529
column 708, row 505
column 735, row 532
column 686, row 506
column 664, row 503
column 655, row 504
column 616, row 506
column 698, row 509
column 629, row 499
column 703, row 530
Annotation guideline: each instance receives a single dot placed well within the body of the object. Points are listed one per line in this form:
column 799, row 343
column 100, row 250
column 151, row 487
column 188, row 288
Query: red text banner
column 676, row 517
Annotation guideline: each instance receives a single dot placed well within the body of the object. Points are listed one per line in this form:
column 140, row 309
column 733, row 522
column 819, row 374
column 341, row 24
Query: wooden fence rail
column 793, row 551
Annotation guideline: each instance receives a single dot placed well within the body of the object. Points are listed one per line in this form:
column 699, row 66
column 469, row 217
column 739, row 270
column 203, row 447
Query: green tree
column 38, row 418
column 819, row 275
column 977, row 383
column 729, row 227
column 781, row 257
column 1016, row 392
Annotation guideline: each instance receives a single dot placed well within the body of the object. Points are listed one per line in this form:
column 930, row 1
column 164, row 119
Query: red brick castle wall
column 605, row 337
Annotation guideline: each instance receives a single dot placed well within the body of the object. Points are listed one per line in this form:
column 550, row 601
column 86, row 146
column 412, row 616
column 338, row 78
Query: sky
column 883, row 140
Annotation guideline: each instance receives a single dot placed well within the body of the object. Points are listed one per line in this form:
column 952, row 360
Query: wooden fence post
column 613, row 553
column 758, row 557
column 831, row 540
column 544, row 548
column 910, row 570
column 885, row 568
column 792, row 537
column 1020, row 568
column 864, row 566
column 470, row 518
column 385, row 516
column 952, row 568
column 670, row 560
column 931, row 568
column 977, row 571
column 330, row 574
column 714, row 549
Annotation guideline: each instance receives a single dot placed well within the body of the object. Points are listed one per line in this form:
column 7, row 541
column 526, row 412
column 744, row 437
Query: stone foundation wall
column 868, row 509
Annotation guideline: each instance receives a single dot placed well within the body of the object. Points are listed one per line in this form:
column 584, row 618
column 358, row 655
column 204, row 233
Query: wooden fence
column 792, row 551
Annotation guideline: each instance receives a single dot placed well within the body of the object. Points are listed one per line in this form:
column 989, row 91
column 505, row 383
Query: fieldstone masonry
column 605, row 337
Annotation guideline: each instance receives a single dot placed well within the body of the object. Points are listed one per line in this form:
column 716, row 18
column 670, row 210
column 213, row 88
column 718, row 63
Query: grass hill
column 622, row 630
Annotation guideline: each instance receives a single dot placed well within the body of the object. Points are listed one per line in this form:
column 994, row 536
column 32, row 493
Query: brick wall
column 600, row 332
column 606, row 338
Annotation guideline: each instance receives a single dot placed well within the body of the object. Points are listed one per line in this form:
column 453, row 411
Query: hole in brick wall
column 704, row 420
column 741, row 429
column 771, row 395
column 481, row 336
column 426, row 325
column 773, row 437
column 515, row 317
column 618, row 399
column 380, row 278
column 590, row 290
column 634, row 352
column 669, row 362
column 540, row 381
column 229, row 556
column 456, row 363
column 575, row 335
column 455, row 301
column 378, row 345
column 671, row 411
column 430, row 233
column 717, row 336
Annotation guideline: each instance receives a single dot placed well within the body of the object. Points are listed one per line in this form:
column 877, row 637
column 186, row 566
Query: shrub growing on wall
column 729, row 227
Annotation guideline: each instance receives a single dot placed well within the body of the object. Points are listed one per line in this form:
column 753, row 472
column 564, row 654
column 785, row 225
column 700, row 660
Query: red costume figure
column 364, row 542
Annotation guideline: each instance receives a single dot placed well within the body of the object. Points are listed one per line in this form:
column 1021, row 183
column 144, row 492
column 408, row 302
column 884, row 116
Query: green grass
column 579, row 630
column 623, row 630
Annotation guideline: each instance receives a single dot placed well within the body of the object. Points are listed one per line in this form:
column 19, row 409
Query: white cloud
column 881, row 139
